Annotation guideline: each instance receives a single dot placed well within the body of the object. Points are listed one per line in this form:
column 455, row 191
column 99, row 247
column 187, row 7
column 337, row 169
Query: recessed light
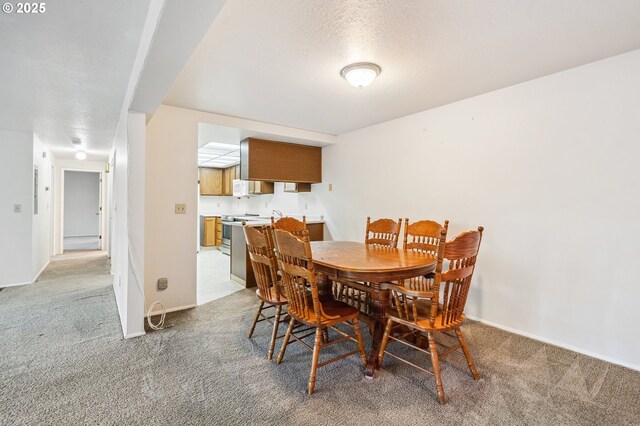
column 360, row 74
column 81, row 155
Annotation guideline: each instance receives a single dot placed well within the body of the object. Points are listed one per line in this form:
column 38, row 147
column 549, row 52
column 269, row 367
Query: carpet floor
column 63, row 361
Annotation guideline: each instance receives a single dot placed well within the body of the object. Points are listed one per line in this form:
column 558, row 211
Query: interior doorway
column 82, row 211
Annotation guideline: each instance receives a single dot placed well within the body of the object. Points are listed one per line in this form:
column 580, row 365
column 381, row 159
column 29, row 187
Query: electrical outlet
column 330, row 187
column 181, row 209
column 163, row 283
column 306, row 206
column 17, row 208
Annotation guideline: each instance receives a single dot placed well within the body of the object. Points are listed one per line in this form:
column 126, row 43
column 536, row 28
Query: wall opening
column 82, row 211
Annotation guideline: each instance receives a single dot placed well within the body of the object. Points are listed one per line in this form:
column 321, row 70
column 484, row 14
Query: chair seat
column 272, row 299
column 332, row 308
column 423, row 308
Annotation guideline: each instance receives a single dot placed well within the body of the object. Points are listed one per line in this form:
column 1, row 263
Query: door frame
column 101, row 197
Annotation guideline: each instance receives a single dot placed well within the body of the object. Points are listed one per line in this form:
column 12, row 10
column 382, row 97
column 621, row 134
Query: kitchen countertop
column 265, row 222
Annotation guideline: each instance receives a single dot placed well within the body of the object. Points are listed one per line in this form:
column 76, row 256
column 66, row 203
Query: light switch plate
column 330, row 187
column 17, row 208
column 181, row 208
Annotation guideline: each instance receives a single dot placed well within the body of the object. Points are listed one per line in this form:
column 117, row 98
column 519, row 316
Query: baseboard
column 179, row 308
column 14, row 284
column 238, row 280
column 132, row 335
column 555, row 343
column 41, row 270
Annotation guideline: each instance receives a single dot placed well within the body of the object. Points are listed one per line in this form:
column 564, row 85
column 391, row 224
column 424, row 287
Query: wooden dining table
column 345, row 261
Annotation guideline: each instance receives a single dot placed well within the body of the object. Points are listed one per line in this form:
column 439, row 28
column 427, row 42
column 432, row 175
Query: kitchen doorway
column 82, row 211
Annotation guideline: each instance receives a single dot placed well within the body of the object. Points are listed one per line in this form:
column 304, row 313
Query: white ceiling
column 63, row 73
column 219, row 155
column 279, row 61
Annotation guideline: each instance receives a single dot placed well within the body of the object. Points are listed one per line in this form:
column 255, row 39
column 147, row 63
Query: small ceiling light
column 81, row 155
column 361, row 74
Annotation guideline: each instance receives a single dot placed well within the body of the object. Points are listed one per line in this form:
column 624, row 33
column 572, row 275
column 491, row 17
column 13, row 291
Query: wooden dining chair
column 383, row 232
column 423, row 236
column 299, row 280
column 423, row 314
column 290, row 224
column 264, row 263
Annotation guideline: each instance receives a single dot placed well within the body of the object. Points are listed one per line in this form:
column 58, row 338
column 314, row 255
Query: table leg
column 377, row 308
column 324, row 286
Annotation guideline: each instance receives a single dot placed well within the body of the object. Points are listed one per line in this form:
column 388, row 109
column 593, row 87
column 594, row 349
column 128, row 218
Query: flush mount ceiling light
column 81, row 155
column 361, row 74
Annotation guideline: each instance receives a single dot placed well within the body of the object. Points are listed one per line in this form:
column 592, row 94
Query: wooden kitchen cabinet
column 211, row 231
column 228, row 175
column 297, row 187
column 211, row 181
column 271, row 161
column 258, row 187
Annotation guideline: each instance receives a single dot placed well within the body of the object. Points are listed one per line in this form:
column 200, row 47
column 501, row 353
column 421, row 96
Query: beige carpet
column 62, row 361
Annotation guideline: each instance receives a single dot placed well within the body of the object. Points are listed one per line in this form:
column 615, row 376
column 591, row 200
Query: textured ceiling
column 279, row 61
column 63, row 73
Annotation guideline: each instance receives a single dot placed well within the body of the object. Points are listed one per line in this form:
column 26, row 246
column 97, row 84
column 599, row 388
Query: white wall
column 548, row 167
column 42, row 222
column 292, row 204
column 81, row 203
column 16, row 183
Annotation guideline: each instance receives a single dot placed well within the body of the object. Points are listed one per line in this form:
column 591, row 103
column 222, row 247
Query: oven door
column 226, row 239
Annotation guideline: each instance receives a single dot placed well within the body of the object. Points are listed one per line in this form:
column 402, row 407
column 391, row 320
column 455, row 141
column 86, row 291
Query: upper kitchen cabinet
column 228, row 175
column 211, row 181
column 280, row 162
column 258, row 187
column 297, row 187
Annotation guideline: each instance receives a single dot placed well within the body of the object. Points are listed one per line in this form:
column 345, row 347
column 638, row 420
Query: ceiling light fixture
column 361, row 74
column 81, row 155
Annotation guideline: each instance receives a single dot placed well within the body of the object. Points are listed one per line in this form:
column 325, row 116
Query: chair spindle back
column 383, row 232
column 290, row 224
column 298, row 274
column 423, row 235
column 462, row 253
column 263, row 260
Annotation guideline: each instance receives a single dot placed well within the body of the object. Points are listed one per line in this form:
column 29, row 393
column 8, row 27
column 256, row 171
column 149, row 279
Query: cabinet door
column 210, row 181
column 227, row 177
column 297, row 187
column 209, row 232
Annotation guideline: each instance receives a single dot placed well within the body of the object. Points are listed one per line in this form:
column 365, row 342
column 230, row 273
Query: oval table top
column 360, row 258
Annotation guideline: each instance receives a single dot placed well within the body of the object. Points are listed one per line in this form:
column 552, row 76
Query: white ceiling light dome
column 360, row 74
column 81, row 155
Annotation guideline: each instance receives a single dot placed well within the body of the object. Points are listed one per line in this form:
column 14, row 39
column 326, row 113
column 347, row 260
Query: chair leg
column 325, row 335
column 363, row 353
column 255, row 320
column 467, row 354
column 436, row 367
column 276, row 323
column 314, row 360
column 385, row 340
column 285, row 342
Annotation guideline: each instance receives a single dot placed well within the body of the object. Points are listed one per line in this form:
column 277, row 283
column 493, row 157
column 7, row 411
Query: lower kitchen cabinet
column 210, row 231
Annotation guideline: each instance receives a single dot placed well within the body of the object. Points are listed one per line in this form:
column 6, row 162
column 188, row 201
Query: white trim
column 132, row 335
column 238, row 280
column 41, row 270
column 553, row 342
column 14, row 284
column 179, row 308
